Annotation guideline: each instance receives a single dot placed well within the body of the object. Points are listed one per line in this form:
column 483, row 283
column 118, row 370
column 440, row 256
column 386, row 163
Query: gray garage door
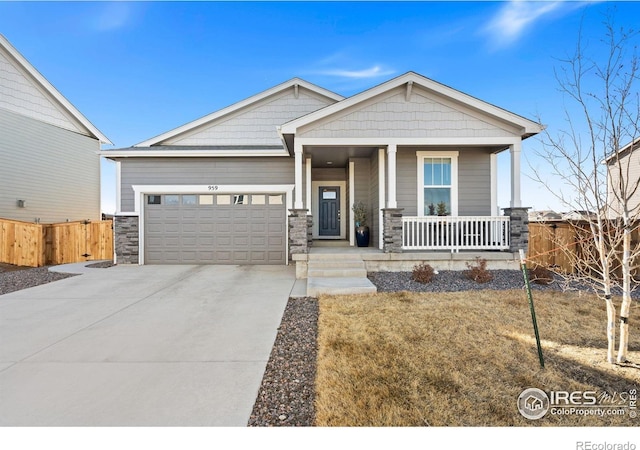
column 215, row 229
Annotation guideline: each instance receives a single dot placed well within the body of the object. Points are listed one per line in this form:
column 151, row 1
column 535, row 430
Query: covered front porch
column 391, row 181
column 422, row 158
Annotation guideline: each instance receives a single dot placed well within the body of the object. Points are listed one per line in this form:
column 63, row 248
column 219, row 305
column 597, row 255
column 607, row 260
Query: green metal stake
column 525, row 273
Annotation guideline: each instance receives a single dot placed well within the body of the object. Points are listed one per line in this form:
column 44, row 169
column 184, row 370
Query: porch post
column 298, row 170
column 308, row 180
column 391, row 153
column 493, row 158
column 514, row 149
column 352, row 194
column 381, row 197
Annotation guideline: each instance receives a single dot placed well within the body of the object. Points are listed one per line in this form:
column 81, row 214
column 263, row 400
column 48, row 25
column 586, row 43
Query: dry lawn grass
column 462, row 358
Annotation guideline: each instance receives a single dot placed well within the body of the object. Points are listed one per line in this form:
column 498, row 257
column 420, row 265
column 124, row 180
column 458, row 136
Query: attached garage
column 215, row 228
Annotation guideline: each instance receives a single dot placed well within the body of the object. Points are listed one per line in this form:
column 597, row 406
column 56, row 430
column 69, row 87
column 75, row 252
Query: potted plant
column 442, row 209
column 360, row 218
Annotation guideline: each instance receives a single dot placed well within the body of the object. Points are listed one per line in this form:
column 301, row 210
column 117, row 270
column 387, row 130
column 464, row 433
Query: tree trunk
column 626, row 295
column 611, row 308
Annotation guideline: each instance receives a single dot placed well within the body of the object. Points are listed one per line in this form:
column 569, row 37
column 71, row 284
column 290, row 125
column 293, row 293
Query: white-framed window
column 437, row 183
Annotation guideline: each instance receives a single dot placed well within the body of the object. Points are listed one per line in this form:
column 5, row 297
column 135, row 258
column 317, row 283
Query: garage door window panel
column 223, row 199
column 189, row 200
column 206, row 200
column 171, row 200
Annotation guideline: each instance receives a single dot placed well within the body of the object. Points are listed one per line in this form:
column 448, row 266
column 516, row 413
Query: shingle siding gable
column 256, row 125
column 391, row 115
column 19, row 95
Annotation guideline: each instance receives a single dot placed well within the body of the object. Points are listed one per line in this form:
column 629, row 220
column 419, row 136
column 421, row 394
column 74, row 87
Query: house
column 270, row 178
column 544, row 215
column 624, row 166
column 49, row 161
column 578, row 215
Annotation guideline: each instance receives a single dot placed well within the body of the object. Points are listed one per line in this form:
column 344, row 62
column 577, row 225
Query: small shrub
column 478, row 271
column 423, row 273
column 540, row 275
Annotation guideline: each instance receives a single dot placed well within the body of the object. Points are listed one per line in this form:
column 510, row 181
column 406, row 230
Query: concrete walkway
column 140, row 346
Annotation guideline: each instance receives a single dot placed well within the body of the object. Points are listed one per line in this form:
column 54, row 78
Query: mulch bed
column 286, row 396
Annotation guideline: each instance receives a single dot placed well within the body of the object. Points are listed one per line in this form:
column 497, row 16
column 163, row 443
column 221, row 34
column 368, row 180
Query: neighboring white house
column 238, row 186
column 49, row 161
column 544, row 215
column 624, row 165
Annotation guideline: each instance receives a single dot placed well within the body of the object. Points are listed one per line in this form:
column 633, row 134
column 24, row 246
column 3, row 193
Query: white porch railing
column 455, row 233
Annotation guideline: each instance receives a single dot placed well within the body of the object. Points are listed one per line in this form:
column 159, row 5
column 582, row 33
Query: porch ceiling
column 321, row 156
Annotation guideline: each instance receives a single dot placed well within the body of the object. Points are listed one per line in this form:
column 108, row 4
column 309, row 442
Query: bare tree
column 592, row 161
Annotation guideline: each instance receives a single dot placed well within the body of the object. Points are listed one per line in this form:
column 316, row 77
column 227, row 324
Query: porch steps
column 333, row 274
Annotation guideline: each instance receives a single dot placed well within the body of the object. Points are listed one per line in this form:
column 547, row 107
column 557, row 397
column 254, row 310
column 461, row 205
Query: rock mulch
column 455, row 281
column 451, row 281
column 17, row 279
column 286, row 396
column 101, row 265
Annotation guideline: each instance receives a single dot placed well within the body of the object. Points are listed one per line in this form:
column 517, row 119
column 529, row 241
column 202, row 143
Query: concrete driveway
column 140, row 346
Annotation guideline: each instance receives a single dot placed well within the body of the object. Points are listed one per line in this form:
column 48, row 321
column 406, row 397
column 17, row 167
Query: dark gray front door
column 329, row 207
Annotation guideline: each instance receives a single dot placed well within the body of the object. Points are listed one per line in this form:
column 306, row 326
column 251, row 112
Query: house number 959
column 213, row 188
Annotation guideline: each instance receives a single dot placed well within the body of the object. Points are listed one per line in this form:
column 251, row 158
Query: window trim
column 421, row 156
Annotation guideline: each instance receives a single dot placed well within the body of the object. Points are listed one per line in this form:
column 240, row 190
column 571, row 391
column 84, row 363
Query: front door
column 329, row 211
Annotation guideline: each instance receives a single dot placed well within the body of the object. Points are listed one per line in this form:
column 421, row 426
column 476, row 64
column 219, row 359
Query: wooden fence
column 558, row 243
column 36, row 245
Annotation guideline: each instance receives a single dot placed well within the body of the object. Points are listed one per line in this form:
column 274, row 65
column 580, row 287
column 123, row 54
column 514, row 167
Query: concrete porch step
column 336, row 264
column 351, row 268
column 339, row 286
column 336, row 272
column 321, row 255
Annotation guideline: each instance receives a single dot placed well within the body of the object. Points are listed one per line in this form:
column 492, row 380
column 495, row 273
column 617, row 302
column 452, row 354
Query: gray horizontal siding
column 630, row 166
column 474, row 181
column 334, row 174
column 177, row 171
column 362, row 172
column 406, row 181
column 56, row 171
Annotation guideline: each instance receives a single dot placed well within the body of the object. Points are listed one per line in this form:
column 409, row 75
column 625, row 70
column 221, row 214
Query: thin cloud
column 515, row 18
column 372, row 72
column 112, row 16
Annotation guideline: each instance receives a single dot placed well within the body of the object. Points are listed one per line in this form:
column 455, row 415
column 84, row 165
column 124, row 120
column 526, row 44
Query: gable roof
column 294, row 83
column 529, row 128
column 52, row 94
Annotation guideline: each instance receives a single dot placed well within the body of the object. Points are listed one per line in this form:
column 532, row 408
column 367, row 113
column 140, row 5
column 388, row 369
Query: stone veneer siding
column 392, row 231
column 519, row 226
column 127, row 238
column 300, row 231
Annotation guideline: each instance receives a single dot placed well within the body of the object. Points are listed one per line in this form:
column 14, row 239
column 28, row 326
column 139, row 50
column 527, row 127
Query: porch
column 375, row 260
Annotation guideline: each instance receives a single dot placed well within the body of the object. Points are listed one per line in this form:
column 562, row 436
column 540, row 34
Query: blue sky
column 138, row 69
